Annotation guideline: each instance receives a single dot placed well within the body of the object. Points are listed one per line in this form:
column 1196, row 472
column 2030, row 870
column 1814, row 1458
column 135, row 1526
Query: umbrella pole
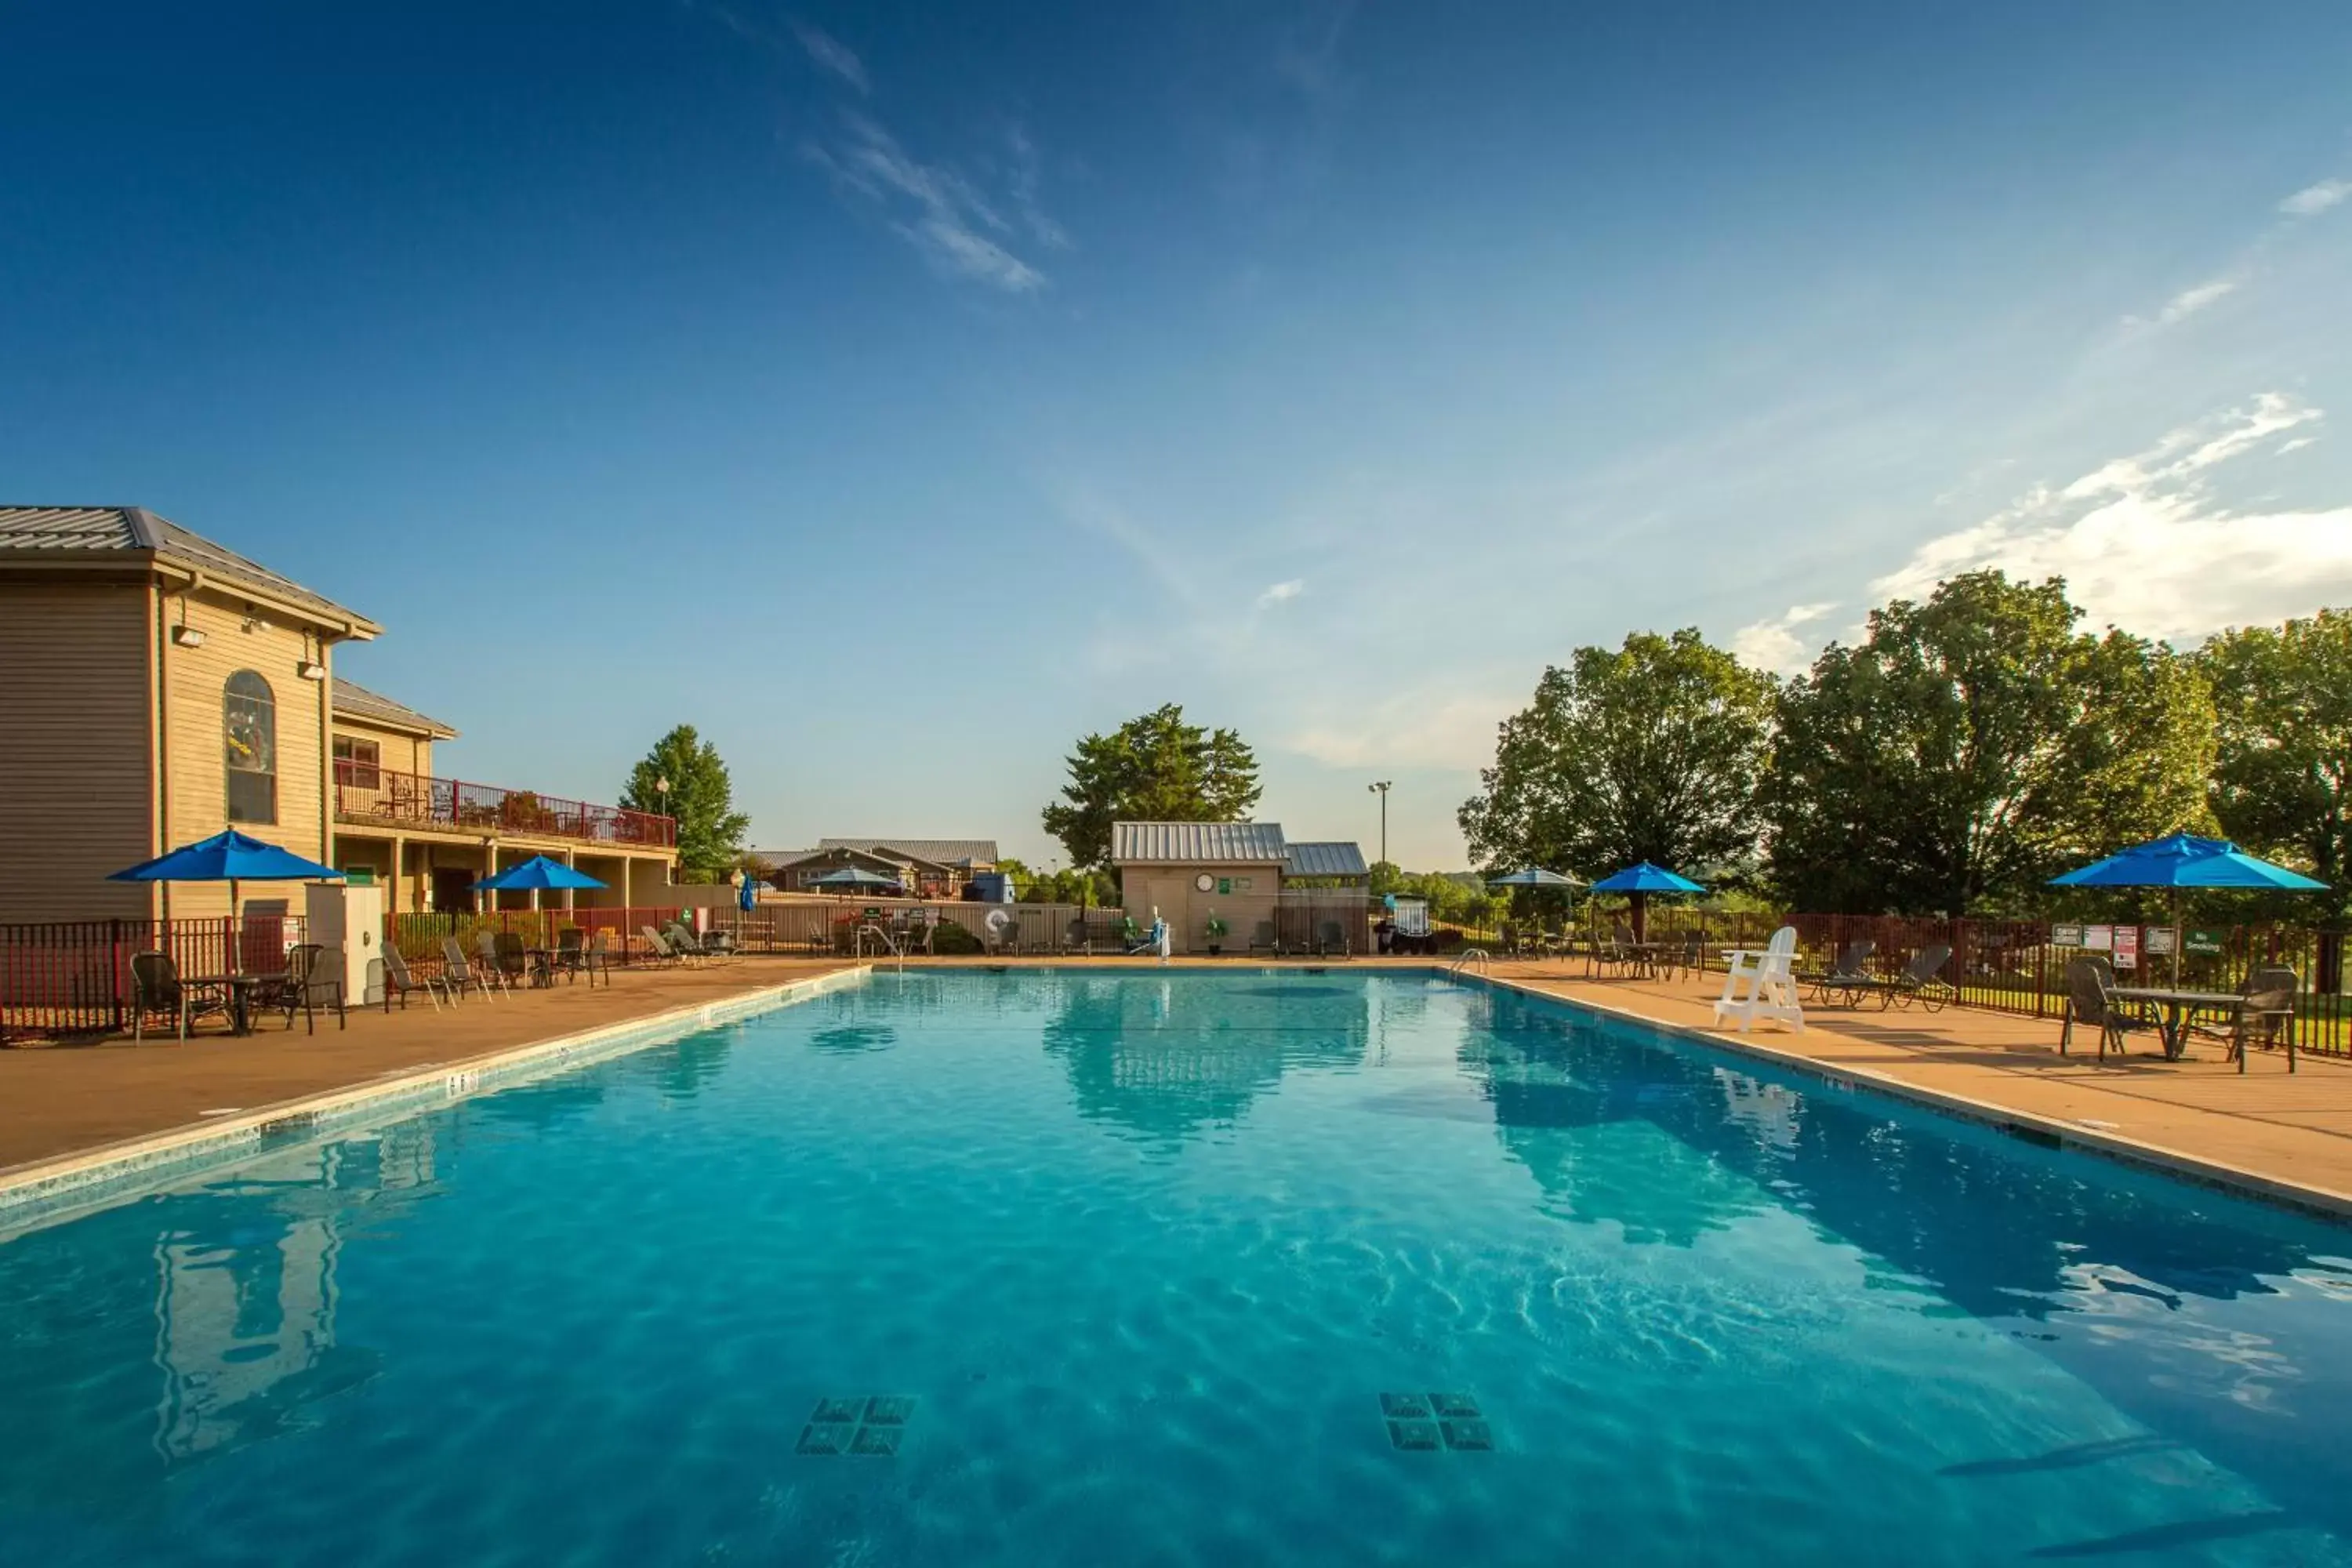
column 234, row 936
column 2177, row 934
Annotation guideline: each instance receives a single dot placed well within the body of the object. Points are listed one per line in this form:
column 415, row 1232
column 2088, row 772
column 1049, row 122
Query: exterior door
column 453, row 889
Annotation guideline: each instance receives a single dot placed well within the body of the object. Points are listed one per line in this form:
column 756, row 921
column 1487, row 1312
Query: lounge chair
column 1265, row 939
column 2090, row 1001
column 156, row 987
column 1763, row 985
column 313, row 981
column 684, row 944
column 657, row 946
column 398, row 981
column 1331, row 937
column 1921, row 980
column 2266, row 1011
column 1848, row 976
column 1076, row 940
column 457, row 973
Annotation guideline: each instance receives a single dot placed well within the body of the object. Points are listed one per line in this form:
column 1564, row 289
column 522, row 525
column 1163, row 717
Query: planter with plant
column 1215, row 929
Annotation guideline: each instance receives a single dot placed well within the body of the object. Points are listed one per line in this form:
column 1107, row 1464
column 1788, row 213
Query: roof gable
column 94, row 531
column 353, row 701
column 1192, row 843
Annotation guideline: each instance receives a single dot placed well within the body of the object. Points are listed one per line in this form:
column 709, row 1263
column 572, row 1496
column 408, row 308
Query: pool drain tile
column 869, row 1425
column 1427, row 1423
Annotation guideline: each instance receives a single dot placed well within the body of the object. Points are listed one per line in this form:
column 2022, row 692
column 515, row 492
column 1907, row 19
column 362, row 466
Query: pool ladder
column 1470, row 955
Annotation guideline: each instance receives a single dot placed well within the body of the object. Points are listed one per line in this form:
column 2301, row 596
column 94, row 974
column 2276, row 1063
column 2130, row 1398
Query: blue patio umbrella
column 230, row 857
column 2185, row 860
column 852, row 877
column 537, row 875
column 1639, row 882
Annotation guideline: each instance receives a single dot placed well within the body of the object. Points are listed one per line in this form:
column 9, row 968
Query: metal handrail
column 888, row 944
column 1470, row 955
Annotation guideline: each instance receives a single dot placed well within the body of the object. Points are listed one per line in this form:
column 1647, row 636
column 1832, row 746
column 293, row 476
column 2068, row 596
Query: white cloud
column 2144, row 543
column 2187, row 303
column 935, row 208
column 1774, row 645
column 831, row 54
column 2298, row 444
column 1282, row 593
column 2313, row 200
column 1023, row 185
column 1429, row 726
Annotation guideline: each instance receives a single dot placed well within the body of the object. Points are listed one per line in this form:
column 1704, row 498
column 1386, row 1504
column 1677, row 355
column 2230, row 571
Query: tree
column 1974, row 745
column 2282, row 773
column 1155, row 768
column 1651, row 753
column 701, row 797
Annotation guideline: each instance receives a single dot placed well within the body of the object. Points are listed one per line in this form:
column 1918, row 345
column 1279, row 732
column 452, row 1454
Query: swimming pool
column 1063, row 1267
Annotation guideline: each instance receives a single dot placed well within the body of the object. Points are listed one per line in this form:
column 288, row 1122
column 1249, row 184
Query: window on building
column 250, row 724
column 358, row 763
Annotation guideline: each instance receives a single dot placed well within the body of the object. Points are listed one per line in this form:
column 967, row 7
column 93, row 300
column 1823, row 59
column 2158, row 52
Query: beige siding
column 196, row 767
column 76, row 719
column 398, row 752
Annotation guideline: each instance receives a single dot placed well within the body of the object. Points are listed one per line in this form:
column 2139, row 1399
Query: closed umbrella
column 230, row 857
column 747, row 897
column 2185, row 860
column 1639, row 881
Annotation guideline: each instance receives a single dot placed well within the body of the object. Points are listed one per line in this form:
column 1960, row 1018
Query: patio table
column 2174, row 1008
column 540, row 965
column 240, row 986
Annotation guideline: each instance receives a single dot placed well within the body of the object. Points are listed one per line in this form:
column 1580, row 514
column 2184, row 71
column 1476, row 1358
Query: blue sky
column 897, row 395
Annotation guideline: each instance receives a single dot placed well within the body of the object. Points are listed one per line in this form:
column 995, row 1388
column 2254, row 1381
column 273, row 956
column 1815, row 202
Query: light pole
column 1381, row 789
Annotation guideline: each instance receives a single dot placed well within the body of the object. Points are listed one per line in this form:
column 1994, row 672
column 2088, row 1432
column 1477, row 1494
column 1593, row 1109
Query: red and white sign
column 2126, row 947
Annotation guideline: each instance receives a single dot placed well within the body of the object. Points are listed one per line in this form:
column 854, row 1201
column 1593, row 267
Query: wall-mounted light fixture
column 311, row 669
column 185, row 634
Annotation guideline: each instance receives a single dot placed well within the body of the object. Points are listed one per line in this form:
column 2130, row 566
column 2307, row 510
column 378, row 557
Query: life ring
column 997, row 920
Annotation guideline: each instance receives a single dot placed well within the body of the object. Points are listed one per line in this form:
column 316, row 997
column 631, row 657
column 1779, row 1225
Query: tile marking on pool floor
column 870, row 1426
column 1426, row 1423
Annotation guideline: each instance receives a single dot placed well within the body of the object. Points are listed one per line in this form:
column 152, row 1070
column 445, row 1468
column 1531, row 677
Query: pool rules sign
column 2126, row 947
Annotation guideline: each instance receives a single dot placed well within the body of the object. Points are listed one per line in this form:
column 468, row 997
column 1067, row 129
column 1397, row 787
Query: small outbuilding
column 1191, row 873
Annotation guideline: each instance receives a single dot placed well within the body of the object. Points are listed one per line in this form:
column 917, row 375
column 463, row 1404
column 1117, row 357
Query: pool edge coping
column 40, row 1191
column 2307, row 1198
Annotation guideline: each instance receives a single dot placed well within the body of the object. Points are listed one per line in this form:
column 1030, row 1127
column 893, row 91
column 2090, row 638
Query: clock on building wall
column 1206, row 882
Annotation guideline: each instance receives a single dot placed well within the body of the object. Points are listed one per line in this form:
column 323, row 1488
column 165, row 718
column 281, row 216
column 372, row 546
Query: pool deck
column 2289, row 1137
column 58, row 1100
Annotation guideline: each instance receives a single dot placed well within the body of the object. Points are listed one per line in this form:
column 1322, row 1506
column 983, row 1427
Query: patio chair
column 2090, row 1001
column 1331, row 937
column 598, row 958
column 2266, row 1011
column 1607, row 953
column 1848, row 974
column 1921, row 980
column 657, row 946
column 1692, row 958
column 457, row 973
column 312, row 981
column 1265, row 939
column 684, row 945
column 398, row 981
column 489, row 962
column 156, row 987
column 570, row 950
column 513, row 963
column 1763, row 985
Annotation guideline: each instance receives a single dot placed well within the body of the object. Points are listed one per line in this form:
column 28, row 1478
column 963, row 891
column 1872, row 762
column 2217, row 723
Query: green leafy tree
column 701, row 797
column 1972, row 746
column 2283, row 775
column 1154, row 768
column 1648, row 752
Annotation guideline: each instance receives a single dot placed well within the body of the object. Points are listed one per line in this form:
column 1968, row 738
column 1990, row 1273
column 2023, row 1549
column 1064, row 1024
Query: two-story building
column 156, row 688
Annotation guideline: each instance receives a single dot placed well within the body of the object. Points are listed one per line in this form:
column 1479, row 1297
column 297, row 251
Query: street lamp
column 1381, row 789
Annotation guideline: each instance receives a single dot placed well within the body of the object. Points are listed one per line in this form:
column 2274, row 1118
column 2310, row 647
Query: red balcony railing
column 378, row 797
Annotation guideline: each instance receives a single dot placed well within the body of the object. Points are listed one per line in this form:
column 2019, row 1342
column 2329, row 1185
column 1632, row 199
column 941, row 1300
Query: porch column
column 571, row 859
column 395, row 903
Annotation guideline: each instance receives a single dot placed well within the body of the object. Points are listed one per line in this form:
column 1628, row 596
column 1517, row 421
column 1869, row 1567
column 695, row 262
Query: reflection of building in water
column 1172, row 1057
column 245, row 1292
column 1769, row 1110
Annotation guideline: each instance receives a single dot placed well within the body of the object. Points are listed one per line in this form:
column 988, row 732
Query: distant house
column 1238, row 872
column 928, row 868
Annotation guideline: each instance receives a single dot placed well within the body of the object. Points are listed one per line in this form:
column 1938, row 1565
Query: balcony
column 379, row 798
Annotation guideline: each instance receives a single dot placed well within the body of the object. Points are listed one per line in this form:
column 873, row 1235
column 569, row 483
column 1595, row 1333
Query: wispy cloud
column 1431, row 725
column 2187, row 303
column 1282, row 593
column 936, row 209
column 831, row 54
column 2143, row 541
column 1020, row 182
column 1774, row 644
column 2313, row 200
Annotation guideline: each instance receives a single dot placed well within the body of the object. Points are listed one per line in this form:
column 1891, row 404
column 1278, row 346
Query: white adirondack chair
column 1763, row 985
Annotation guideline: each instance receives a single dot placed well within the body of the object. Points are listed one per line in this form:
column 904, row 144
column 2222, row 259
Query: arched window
column 249, row 725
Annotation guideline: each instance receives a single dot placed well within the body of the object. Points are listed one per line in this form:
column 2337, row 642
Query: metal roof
column 1330, row 858
column 79, row 530
column 357, row 701
column 937, row 851
column 1196, row 842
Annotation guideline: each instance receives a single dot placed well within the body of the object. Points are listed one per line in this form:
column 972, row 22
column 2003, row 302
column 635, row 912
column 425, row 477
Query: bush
column 950, row 939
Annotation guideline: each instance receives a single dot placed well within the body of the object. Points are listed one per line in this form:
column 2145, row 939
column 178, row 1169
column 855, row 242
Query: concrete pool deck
column 2265, row 1133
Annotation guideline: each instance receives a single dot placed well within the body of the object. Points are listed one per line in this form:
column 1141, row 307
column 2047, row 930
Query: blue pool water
column 1132, row 1259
